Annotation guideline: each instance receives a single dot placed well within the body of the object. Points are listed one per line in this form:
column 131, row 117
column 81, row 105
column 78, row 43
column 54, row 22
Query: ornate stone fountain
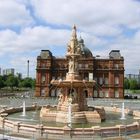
column 73, row 90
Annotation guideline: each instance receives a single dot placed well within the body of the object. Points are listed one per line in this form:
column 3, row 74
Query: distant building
column 108, row 72
column 9, row 71
column 134, row 76
column 19, row 75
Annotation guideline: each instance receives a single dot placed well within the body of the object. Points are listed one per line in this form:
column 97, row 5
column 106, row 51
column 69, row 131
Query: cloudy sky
column 28, row 26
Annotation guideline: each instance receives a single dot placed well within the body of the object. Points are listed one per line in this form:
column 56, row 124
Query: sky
column 29, row 26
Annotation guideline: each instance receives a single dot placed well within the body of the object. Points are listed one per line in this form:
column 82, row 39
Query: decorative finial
column 74, row 27
column 74, row 35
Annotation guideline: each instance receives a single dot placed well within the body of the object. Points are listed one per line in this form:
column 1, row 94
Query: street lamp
column 28, row 68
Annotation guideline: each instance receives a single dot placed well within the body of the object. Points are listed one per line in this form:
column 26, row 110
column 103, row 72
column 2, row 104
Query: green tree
column 12, row 81
column 133, row 84
column 1, row 82
column 27, row 83
column 126, row 83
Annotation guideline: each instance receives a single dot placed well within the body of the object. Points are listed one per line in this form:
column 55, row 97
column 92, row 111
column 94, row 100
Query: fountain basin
column 92, row 115
column 53, row 132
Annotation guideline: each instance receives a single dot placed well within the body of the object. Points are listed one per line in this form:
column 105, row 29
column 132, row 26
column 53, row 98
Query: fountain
column 72, row 109
column 24, row 108
column 123, row 112
column 73, row 88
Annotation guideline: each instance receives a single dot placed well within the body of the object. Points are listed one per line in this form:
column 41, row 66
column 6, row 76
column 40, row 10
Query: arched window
column 101, row 93
column 42, row 91
column 116, row 93
column 116, row 80
column 106, row 93
column 106, row 80
column 100, row 80
column 43, row 78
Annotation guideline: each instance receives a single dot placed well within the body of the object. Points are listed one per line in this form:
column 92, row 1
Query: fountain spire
column 73, row 55
column 74, row 34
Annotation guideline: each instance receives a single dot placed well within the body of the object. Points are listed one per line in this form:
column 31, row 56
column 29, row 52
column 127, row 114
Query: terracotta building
column 107, row 72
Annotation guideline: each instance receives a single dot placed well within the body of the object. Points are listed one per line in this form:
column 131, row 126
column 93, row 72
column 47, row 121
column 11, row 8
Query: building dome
column 81, row 40
column 85, row 51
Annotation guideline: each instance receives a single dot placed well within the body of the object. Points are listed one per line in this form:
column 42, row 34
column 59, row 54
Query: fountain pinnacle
column 73, row 54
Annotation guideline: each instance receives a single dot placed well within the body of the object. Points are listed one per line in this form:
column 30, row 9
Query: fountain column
column 24, row 108
column 123, row 112
column 69, row 113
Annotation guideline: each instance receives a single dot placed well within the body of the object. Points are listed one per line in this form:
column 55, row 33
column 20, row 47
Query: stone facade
column 107, row 72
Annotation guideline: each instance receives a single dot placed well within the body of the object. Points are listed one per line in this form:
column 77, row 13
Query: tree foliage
column 16, row 82
column 12, row 81
column 1, row 82
column 27, row 83
column 133, row 84
column 126, row 83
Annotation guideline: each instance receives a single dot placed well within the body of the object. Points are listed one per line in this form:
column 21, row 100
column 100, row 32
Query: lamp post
column 28, row 68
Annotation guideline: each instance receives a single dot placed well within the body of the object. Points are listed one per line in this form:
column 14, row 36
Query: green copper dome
column 85, row 51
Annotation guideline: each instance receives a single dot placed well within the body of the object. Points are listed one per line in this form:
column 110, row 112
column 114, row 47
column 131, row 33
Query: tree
column 126, row 84
column 1, row 82
column 133, row 84
column 27, row 83
column 12, row 81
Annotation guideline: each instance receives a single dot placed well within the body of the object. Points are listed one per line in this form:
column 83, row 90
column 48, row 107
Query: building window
column 43, row 65
column 80, row 65
column 95, row 93
column 86, row 65
column 116, row 66
column 106, row 80
column 106, row 93
column 116, row 80
column 43, row 92
column 100, row 80
column 101, row 94
column 116, row 94
column 43, row 78
column 90, row 76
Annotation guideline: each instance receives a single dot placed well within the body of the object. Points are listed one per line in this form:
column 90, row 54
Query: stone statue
column 60, row 96
column 71, row 66
column 69, row 50
column 78, row 49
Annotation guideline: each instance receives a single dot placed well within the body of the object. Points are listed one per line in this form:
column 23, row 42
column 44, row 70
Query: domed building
column 108, row 72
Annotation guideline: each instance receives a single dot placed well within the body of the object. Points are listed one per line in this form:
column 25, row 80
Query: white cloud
column 21, row 64
column 101, row 23
column 14, row 13
column 32, row 38
column 101, row 17
column 129, row 48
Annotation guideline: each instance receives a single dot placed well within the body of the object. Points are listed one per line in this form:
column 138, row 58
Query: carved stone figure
column 78, row 50
column 69, row 51
column 60, row 96
column 71, row 66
